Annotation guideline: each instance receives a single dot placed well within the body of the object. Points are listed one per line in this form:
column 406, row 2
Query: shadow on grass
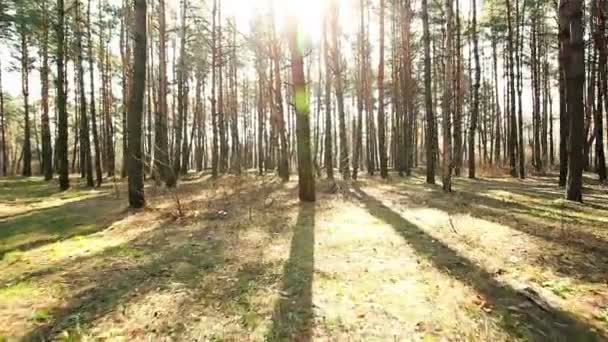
column 185, row 254
column 576, row 243
column 293, row 315
column 530, row 324
column 45, row 226
column 100, row 291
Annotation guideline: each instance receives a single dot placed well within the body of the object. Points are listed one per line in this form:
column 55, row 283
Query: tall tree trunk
column 512, row 118
column 599, row 9
column 62, row 122
column 220, row 107
column 214, row 115
column 497, row 135
column 47, row 149
column 3, row 128
column 575, row 81
column 358, row 133
column 161, row 141
column 476, row 85
column 25, row 65
column 329, row 165
column 125, row 44
column 428, row 95
column 344, row 162
column 306, row 179
column 458, row 98
column 136, row 106
column 277, row 107
column 381, row 114
column 447, row 103
column 85, row 145
column 93, row 113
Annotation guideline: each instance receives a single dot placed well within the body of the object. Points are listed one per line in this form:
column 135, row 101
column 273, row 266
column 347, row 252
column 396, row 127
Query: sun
column 308, row 12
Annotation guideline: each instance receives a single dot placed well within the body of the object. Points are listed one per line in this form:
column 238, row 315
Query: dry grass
column 242, row 260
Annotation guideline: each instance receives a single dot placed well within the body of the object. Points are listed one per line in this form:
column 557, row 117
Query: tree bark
column 136, row 106
column 47, row 149
column 306, row 179
column 428, row 95
column 575, row 81
column 476, row 85
column 381, row 114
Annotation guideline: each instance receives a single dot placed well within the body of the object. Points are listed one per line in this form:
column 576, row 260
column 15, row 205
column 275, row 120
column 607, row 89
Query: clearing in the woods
column 240, row 259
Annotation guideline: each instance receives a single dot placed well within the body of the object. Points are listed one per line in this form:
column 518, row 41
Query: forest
column 285, row 170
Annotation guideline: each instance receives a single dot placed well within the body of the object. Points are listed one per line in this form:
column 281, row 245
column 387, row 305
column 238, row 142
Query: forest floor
column 240, row 259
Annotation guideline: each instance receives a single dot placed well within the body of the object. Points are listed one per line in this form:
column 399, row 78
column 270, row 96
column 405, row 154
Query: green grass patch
column 41, row 315
column 18, row 290
column 560, row 287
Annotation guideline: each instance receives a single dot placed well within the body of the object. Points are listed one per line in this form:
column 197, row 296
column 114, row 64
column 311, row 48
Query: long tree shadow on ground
column 48, row 225
column 531, row 324
column 576, row 243
column 171, row 254
column 293, row 314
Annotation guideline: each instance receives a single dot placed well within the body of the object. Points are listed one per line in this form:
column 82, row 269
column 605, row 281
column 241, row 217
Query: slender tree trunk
column 62, row 122
column 381, row 114
column 306, row 179
column 599, row 9
column 447, row 104
column 329, row 165
column 93, row 114
column 498, row 136
column 3, row 127
column 214, row 115
column 85, row 145
column 278, row 110
column 25, row 65
column 136, row 106
column 344, row 162
column 513, row 121
column 430, row 116
column 126, row 29
column 47, row 149
column 575, row 81
column 476, row 85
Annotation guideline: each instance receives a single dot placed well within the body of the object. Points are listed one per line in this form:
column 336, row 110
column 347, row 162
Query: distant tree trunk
column 513, row 121
column 161, row 153
column 306, row 179
column 136, row 106
column 458, row 98
column 344, row 162
column 277, row 106
column 125, row 50
column 47, row 149
column 2, row 126
column 575, row 81
column 214, row 116
column 85, row 145
column 220, row 107
column 62, row 122
column 329, row 165
column 93, row 114
column 475, row 111
column 381, row 114
column 235, row 164
column 447, row 103
column 108, row 129
column 25, row 66
column 497, row 135
column 358, row 133
column 430, row 116
column 599, row 8
column 261, row 71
